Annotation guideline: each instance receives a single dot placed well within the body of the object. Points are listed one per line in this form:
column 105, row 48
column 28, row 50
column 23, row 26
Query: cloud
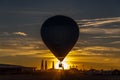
column 88, row 58
column 100, row 26
column 101, row 48
column 32, row 52
column 91, row 31
column 12, row 33
column 97, row 22
column 95, row 51
column 17, row 45
column 20, row 33
column 115, row 42
column 26, row 60
column 4, row 34
column 100, row 31
column 105, row 37
column 13, row 41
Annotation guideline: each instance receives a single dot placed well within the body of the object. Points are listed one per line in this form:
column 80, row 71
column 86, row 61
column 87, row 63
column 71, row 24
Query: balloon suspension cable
column 60, row 59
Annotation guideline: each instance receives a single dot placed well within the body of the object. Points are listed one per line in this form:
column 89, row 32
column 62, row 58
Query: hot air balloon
column 59, row 33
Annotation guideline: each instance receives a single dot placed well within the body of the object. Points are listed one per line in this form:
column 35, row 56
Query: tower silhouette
column 53, row 66
column 45, row 65
column 42, row 65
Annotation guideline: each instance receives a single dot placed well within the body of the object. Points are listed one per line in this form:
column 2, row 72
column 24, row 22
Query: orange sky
column 98, row 46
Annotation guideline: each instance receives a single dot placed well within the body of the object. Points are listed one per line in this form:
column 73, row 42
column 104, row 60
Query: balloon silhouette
column 60, row 34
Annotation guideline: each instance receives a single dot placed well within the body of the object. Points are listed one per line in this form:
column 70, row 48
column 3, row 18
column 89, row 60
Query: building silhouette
column 8, row 68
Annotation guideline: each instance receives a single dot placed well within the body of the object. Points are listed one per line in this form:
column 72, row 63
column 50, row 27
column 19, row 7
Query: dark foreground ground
column 57, row 75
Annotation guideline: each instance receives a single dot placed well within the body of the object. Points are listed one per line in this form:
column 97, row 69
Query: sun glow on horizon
column 64, row 63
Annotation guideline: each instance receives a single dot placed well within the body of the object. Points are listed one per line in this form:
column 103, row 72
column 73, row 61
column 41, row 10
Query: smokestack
column 45, row 65
column 53, row 66
column 42, row 64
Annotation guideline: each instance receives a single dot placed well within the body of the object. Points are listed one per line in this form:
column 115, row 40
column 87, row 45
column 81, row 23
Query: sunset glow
column 98, row 45
column 65, row 65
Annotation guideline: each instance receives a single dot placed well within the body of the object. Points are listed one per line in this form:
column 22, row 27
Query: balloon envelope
column 60, row 34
